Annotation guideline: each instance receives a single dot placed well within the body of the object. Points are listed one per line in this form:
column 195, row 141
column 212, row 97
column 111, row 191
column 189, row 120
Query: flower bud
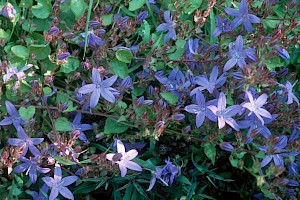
column 142, row 16
column 9, row 11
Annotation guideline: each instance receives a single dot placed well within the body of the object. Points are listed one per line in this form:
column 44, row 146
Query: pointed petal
column 21, row 168
column 200, row 99
column 248, row 25
column 231, row 122
column 49, row 181
column 123, row 169
column 66, row 193
column 87, row 89
column 266, row 161
column 214, row 109
column 239, row 44
column 6, row 121
column 221, row 123
column 85, row 127
column 37, row 141
column 53, row 193
column 218, row 31
column 229, row 64
column 15, row 142
column 32, row 174
column 110, row 156
column 133, row 166
column 214, row 74
column 264, row 113
column 109, row 81
column 57, row 173
column 131, row 154
column 43, row 170
column 95, row 98
column 193, row 108
column 236, row 22
column 68, row 180
column 77, row 119
column 222, row 101
column 96, row 76
column 34, row 150
column 243, row 7
column 120, row 147
column 152, row 182
column 12, row 111
column 107, row 95
column 261, row 100
column 253, row 18
column 162, row 27
column 232, row 12
column 200, row 119
column 167, row 16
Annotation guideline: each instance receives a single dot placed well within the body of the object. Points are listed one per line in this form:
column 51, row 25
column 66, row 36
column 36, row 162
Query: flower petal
column 95, row 98
column 131, row 154
column 53, row 193
column 133, row 166
column 12, row 111
column 110, row 156
column 120, row 147
column 232, row 12
column 6, row 121
column 68, row 180
column 229, row 64
column 108, row 95
column 66, row 193
column 49, row 181
column 87, row 89
column 96, row 76
column 253, row 18
column 200, row 119
column 109, row 81
column 123, row 169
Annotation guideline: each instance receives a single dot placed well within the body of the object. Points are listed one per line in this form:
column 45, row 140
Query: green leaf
column 26, row 3
column 136, row 4
column 27, row 113
column 107, row 19
column 20, row 51
column 124, row 55
column 78, row 7
column 119, row 68
column 62, row 124
column 4, row 35
column 42, row 10
column 184, row 180
column 169, row 97
column 70, row 107
column 40, row 51
column 210, row 151
column 145, row 32
column 112, row 126
column 63, row 161
column 194, row 5
column 71, row 65
column 47, row 90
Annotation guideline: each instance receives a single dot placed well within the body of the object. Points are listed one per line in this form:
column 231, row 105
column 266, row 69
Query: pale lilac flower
column 222, row 26
column 40, row 195
column 31, row 165
column 288, row 90
column 238, row 54
column 255, row 106
column 224, row 114
column 76, row 125
column 58, row 184
column 14, row 117
column 242, row 16
column 209, row 84
column 13, row 71
column 93, row 41
column 25, row 142
column 168, row 26
column 100, row 88
column 201, row 109
column 123, row 159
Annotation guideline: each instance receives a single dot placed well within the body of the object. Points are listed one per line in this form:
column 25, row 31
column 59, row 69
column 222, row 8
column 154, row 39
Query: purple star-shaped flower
column 58, row 184
column 25, row 142
column 76, row 125
column 224, row 114
column 238, row 54
column 41, row 194
column 209, row 84
column 100, row 88
column 200, row 109
column 168, row 26
column 255, row 106
column 288, row 90
column 242, row 16
column 13, row 71
column 222, row 26
column 123, row 159
column 14, row 117
column 31, row 165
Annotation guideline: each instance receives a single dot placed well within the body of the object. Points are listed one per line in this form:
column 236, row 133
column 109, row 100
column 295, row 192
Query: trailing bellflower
column 14, row 117
column 238, row 54
column 13, row 71
column 76, row 125
column 242, row 16
column 25, row 142
column 222, row 26
column 201, row 109
column 123, row 159
column 58, row 184
column 288, row 90
column 209, row 84
column 224, row 114
column 31, row 165
column 168, row 26
column 255, row 106
column 100, row 88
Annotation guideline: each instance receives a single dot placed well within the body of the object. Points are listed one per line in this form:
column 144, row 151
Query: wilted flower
column 242, row 16
column 100, row 88
column 25, row 142
column 63, row 56
column 31, row 165
column 254, row 106
column 9, row 11
column 222, row 26
column 123, row 159
column 282, row 53
column 53, row 31
column 58, row 184
column 224, row 114
column 238, row 54
column 168, row 26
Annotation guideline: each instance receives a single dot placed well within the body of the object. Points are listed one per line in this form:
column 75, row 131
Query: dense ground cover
column 138, row 99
